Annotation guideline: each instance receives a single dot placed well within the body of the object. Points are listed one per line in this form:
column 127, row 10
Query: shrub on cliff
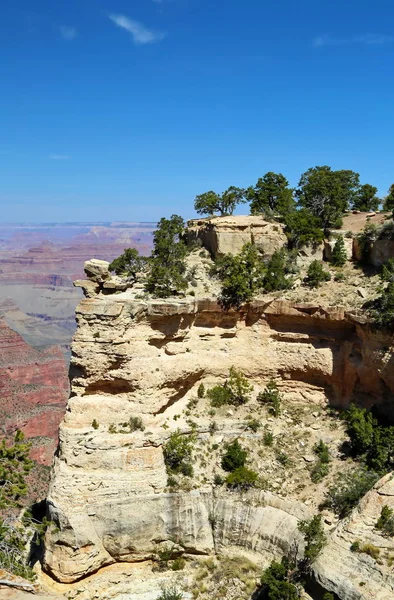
column 234, row 457
column 314, row 538
column 178, row 452
column 316, row 274
column 211, row 202
column 242, row 478
column 271, row 397
column 170, row 593
column 235, row 390
column 241, row 276
column 385, row 522
column 167, row 262
column 129, row 263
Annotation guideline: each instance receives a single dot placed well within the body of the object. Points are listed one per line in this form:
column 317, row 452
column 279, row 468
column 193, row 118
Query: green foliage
column 355, row 546
column 283, row 459
column 210, row 202
column 201, row 390
column 95, row 424
column 382, row 312
column 372, row 442
column 314, row 537
column 166, row 276
column 365, row 240
column 253, row 424
column 129, row 263
column 327, row 194
column 134, row 424
column 178, row 564
column 242, row 478
column 365, row 198
column 268, row 438
column 386, row 521
column 241, row 276
column 170, row 593
column 371, row 550
column 275, row 277
column 12, row 551
column 303, row 228
column 270, row 396
column 275, row 582
column 321, row 468
column 316, row 274
column 387, row 272
column 348, row 489
column 339, row 257
column 235, row 390
column 234, row 457
column 389, row 199
column 178, row 453
column 218, row 479
column 328, row 596
column 15, row 465
column 271, row 195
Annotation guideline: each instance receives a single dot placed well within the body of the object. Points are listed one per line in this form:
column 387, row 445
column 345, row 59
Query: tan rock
column 222, row 235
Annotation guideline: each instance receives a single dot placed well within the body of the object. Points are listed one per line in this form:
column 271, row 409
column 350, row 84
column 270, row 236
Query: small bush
column 316, row 274
column 177, row 454
column 371, row 550
column 328, row 596
column 218, row 479
column 96, row 334
column 242, row 478
column 201, row 390
column 355, row 546
column 178, row 564
column 283, row 459
column 170, row 593
column 319, row 471
column 112, row 428
column 95, row 424
column 271, row 397
column 235, row 391
column 322, row 451
column 386, row 521
column 268, row 438
column 234, row 457
column 387, row 272
column 254, row 425
column 135, row 424
column 382, row 312
column 339, row 277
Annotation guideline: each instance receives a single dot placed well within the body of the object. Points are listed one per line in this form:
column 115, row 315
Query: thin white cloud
column 368, row 39
column 59, row 157
column 140, row 33
column 68, row 33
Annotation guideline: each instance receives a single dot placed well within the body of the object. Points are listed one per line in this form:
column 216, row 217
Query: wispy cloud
column 140, row 33
column 59, row 157
column 368, row 39
column 68, row 33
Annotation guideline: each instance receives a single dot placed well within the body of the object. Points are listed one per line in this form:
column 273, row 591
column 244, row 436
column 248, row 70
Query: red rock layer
column 33, row 392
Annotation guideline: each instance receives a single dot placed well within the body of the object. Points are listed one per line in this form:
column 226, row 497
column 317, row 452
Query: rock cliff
column 109, row 495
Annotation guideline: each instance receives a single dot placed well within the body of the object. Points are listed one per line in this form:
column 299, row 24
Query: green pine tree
column 339, row 256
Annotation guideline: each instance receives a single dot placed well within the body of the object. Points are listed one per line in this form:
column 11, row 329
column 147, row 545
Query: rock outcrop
column 109, row 496
column 222, row 235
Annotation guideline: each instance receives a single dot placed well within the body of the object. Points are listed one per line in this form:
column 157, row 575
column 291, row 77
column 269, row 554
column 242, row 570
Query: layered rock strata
column 109, row 496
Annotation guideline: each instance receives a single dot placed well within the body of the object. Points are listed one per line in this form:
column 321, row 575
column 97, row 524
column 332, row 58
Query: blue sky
column 126, row 109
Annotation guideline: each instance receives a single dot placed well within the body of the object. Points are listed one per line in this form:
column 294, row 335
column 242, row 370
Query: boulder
column 227, row 235
column 97, row 270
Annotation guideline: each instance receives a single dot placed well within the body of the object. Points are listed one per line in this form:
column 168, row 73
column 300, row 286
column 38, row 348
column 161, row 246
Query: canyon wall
column 109, row 495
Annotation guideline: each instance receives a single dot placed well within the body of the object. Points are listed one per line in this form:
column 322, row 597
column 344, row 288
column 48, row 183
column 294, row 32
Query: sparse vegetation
column 170, row 593
column 314, row 537
column 242, row 478
column 271, row 397
column 178, row 452
column 321, row 468
column 339, row 257
column 95, row 424
column 349, row 488
column 385, row 522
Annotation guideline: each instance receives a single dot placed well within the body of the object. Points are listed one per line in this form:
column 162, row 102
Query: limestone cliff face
column 109, row 494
